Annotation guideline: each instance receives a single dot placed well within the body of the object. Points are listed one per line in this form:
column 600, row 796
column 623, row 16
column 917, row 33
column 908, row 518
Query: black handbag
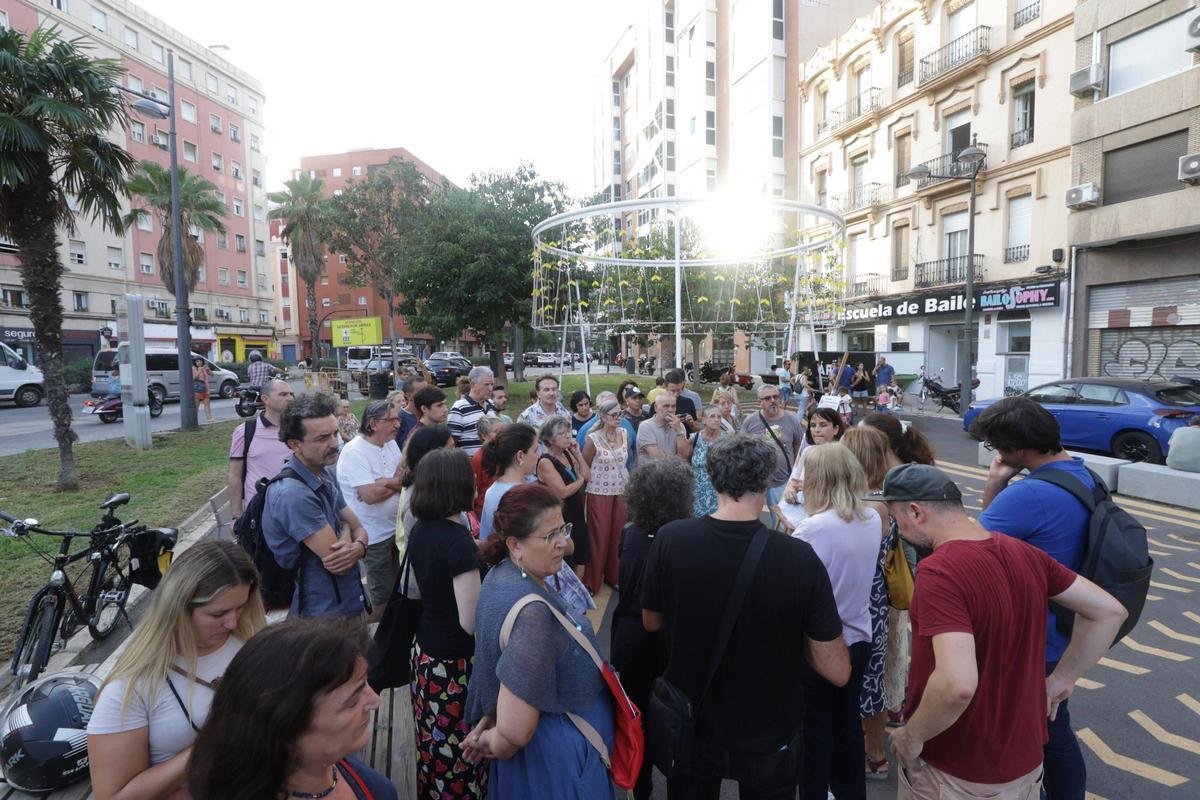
column 391, row 665
column 671, row 718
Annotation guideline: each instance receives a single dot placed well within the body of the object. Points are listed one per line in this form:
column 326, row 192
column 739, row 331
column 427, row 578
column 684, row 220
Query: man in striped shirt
column 465, row 413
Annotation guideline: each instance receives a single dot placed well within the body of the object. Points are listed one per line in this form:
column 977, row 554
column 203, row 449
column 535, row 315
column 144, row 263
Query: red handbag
column 629, row 742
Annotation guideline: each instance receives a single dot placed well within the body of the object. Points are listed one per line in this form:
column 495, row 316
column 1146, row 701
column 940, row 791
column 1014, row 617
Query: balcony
column 902, row 179
column 904, row 76
column 958, row 52
column 859, row 107
column 868, row 285
column 944, row 168
column 945, row 272
column 1022, row 137
column 1027, row 14
column 860, row 197
column 1013, row 255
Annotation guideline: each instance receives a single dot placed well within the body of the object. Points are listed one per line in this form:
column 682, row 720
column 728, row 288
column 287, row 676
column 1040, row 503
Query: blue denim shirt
column 295, row 510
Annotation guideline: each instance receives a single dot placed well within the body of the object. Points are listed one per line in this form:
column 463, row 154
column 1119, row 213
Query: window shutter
column 1020, row 220
column 1144, row 169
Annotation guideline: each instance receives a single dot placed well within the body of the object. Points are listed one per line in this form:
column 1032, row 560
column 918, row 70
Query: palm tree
column 199, row 207
column 302, row 208
column 57, row 109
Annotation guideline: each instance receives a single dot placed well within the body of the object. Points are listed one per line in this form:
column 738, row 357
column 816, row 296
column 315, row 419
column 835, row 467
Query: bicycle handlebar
column 4, row 515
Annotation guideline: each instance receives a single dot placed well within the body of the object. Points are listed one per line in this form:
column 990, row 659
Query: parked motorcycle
column 647, row 366
column 110, row 409
column 249, row 401
column 946, row 397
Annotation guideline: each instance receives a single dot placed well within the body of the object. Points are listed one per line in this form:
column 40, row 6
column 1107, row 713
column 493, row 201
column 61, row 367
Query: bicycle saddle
column 116, row 500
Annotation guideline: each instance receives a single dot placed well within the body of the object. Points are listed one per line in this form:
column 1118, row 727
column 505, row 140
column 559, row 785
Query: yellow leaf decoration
column 655, row 278
column 640, row 302
column 609, row 303
column 702, row 299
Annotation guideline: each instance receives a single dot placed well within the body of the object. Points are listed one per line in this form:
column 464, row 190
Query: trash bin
column 379, row 385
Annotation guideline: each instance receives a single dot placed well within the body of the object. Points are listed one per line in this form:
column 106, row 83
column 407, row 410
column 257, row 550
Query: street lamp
column 969, row 162
column 152, row 106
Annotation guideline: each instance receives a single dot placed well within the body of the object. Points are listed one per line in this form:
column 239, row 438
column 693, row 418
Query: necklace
column 320, row 794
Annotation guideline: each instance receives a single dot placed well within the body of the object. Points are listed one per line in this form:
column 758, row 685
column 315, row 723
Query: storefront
column 233, row 347
column 76, row 344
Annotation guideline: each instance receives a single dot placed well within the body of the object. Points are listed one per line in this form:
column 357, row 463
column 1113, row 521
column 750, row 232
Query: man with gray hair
column 694, row 570
column 663, row 434
column 253, row 457
column 783, row 432
column 463, row 421
column 368, row 473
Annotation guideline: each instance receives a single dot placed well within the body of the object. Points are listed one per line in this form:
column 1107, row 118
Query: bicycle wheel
column 112, row 593
column 39, row 638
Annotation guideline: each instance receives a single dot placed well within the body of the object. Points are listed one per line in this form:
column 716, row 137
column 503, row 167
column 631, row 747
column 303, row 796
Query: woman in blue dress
column 522, row 692
column 704, row 501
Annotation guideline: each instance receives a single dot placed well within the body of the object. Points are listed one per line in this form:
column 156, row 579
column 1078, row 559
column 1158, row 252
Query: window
column 235, row 133
column 214, row 123
column 670, row 114
column 337, row 172
column 137, row 131
column 670, row 70
column 260, row 280
column 80, row 300
column 218, row 162
column 136, row 84
column 222, row 236
column 242, row 278
column 356, row 170
column 960, row 22
column 156, row 52
column 243, row 315
column 669, row 25
column 239, row 206
column 1144, row 169
column 185, row 68
column 239, row 242
column 954, row 235
column 200, row 313
column 777, row 19
column 1093, row 394
column 260, row 213
column 3, row 20
column 900, row 253
column 190, row 153
column 1020, row 224
column 77, row 251
column 325, row 282
column 260, row 247
column 235, row 169
column 210, row 82
column 903, row 150
column 958, row 131
column 99, row 20
column 188, row 111
column 905, row 56
column 254, row 145
column 231, row 94
column 1053, row 393
column 342, row 258
column 325, row 303
column 777, row 134
column 1023, row 96
column 200, row 277
column 145, row 223
column 710, row 175
column 710, row 78
column 821, row 188
column 263, row 318
column 223, row 276
column 710, row 127
column 822, row 111
column 131, row 38
column 256, row 177
column 146, row 263
column 14, row 297
column 362, row 299
column 196, row 233
column 1148, row 55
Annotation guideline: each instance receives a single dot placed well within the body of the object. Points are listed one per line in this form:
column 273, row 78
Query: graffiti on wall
column 1145, row 355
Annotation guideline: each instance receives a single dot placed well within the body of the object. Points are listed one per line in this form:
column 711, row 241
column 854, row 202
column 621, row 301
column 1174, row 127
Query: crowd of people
column 799, row 641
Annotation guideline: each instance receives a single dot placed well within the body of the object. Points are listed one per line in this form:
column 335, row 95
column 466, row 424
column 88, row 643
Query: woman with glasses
column 531, row 670
column 606, row 454
column 561, row 468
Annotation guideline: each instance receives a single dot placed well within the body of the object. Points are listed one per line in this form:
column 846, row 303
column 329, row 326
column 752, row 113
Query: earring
column 517, row 561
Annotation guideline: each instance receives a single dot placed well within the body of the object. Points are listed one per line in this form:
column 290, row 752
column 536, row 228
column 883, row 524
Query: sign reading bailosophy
column 1039, row 294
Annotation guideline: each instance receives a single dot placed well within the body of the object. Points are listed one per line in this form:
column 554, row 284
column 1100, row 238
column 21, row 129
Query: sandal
column 877, row 770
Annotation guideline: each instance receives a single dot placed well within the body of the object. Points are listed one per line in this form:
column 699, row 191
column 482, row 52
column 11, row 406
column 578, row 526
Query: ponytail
column 501, row 451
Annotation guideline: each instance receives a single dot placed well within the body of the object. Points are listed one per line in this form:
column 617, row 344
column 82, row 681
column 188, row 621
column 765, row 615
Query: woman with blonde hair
column 845, row 532
column 157, row 697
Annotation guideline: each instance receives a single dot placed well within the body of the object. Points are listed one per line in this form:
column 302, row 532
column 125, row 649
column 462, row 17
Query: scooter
column 110, row 409
column 249, row 401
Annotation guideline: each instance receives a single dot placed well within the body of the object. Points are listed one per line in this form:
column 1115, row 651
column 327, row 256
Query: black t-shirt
column 635, row 545
column 684, row 407
column 438, row 550
column 756, row 701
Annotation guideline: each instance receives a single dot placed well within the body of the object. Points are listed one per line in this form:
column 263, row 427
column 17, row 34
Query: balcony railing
column 959, row 51
column 902, row 179
column 868, row 285
column 904, row 76
column 1014, row 254
column 944, row 168
column 869, row 194
column 1027, row 14
column 859, row 106
column 1022, row 137
column 822, row 128
column 945, row 272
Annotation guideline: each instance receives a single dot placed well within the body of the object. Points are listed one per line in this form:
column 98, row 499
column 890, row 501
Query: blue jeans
column 1065, row 771
column 785, row 394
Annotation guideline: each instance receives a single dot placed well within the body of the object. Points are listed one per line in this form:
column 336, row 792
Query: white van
column 162, row 374
column 19, row 380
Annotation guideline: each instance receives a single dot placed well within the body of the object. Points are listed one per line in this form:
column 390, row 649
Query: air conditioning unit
column 1189, row 167
column 1192, row 42
column 1087, row 80
column 1085, row 195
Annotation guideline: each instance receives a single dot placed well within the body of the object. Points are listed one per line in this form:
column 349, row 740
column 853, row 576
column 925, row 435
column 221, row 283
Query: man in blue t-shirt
column 883, row 373
column 1025, row 436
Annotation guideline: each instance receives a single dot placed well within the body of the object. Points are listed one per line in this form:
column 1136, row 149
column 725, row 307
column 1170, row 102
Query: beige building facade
column 1135, row 222
column 916, row 82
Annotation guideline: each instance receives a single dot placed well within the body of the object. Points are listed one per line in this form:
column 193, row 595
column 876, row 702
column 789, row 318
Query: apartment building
column 1135, row 218
column 219, row 121
column 917, row 81
column 289, row 296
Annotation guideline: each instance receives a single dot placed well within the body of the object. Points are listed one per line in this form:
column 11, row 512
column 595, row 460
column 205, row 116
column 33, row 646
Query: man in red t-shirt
column 978, row 694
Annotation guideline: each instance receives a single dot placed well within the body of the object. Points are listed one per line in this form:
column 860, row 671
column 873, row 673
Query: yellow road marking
column 1189, row 701
column 1173, row 634
column 1154, row 651
column 1179, row 576
column 1127, row 764
column 1193, row 565
column 1179, row 538
column 1171, row 587
column 1192, row 615
column 1137, row 512
column 1084, row 683
column 1153, row 597
column 1159, row 553
column 964, row 467
column 1132, row 669
column 601, row 599
column 1157, row 543
column 1163, row 735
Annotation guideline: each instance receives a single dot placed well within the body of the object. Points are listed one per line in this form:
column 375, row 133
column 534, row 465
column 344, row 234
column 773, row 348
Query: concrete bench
column 1106, row 467
column 1161, row 484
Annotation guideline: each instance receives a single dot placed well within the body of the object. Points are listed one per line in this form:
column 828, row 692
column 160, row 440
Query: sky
column 464, row 86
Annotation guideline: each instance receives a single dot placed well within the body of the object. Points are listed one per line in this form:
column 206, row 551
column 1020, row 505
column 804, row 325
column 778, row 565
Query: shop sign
column 1042, row 294
column 16, row 334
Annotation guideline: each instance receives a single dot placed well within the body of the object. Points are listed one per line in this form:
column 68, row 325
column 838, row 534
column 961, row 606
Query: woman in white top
column 158, row 695
column 845, row 534
column 824, row 426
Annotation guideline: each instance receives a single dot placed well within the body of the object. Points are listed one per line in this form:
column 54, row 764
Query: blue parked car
column 1128, row 419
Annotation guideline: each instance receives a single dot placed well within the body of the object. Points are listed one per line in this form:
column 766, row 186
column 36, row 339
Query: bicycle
column 118, row 555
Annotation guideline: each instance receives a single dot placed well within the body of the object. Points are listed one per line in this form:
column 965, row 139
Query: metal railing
column 944, row 168
column 1022, row 137
column 902, row 179
column 905, row 76
column 858, row 106
column 959, row 51
column 868, row 285
column 822, row 127
column 869, row 194
column 1027, row 14
column 900, row 271
column 945, row 272
column 1015, row 254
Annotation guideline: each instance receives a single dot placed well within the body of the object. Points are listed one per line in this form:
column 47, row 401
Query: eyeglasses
column 613, row 415
column 988, row 446
column 552, row 537
column 770, row 398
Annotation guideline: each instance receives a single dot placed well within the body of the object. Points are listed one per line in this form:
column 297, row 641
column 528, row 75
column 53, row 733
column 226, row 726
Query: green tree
column 57, row 106
column 372, row 223
column 302, row 208
column 199, row 207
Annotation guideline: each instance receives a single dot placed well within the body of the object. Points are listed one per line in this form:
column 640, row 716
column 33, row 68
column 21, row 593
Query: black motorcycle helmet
column 43, row 737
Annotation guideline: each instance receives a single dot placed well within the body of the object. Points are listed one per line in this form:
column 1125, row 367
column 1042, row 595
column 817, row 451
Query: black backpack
column 277, row 583
column 1116, row 556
